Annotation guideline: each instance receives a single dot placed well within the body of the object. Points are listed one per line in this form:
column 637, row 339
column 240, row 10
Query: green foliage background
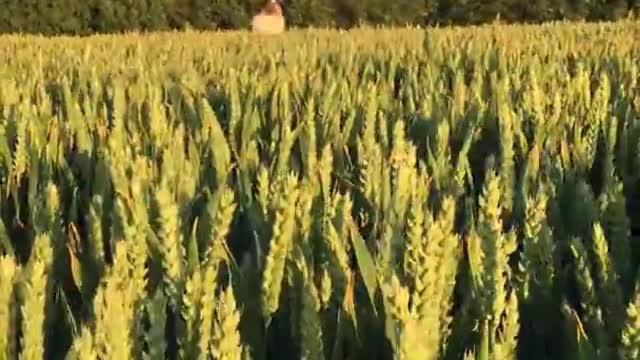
column 81, row 17
column 393, row 193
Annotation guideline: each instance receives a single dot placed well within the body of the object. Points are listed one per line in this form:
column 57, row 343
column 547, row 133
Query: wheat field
column 454, row 193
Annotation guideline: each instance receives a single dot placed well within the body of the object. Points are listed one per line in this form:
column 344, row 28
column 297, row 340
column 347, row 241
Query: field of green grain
column 459, row 193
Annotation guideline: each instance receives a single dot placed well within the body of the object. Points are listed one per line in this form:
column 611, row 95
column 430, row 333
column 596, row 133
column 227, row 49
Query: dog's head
column 273, row 7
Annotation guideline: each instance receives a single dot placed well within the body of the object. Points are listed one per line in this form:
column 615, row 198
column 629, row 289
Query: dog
column 269, row 20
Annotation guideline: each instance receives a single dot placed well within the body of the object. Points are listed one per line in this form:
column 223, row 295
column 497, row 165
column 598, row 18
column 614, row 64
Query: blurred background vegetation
column 82, row 17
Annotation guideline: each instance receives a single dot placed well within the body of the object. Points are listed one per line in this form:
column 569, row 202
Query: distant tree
column 539, row 10
column 68, row 16
column 457, row 11
column 399, row 12
column 202, row 14
column 178, row 12
column 608, row 9
column 12, row 16
column 233, row 14
column 577, row 9
column 122, row 15
column 86, row 16
column 155, row 14
column 113, row 15
column 348, row 13
column 47, row 17
column 309, row 13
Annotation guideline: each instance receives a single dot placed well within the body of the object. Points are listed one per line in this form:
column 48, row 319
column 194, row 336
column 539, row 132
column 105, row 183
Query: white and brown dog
column 269, row 20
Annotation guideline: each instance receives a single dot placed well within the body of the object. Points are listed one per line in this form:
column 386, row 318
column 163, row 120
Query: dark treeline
column 90, row 16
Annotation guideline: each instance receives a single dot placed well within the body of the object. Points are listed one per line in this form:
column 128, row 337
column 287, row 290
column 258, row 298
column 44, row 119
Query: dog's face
column 274, row 7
